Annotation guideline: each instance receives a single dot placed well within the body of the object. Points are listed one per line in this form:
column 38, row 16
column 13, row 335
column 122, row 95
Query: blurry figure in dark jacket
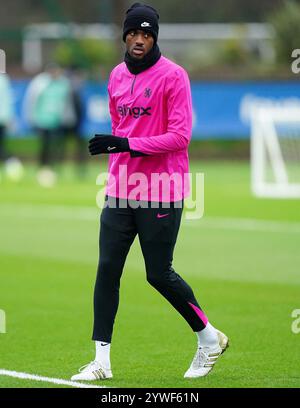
column 6, row 111
column 76, row 77
column 49, row 110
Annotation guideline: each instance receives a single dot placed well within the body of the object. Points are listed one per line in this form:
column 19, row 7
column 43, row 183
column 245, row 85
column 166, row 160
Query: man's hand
column 111, row 144
column 108, row 144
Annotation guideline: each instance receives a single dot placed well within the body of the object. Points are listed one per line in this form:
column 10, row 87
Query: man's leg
column 117, row 233
column 45, row 147
column 157, row 230
column 46, row 175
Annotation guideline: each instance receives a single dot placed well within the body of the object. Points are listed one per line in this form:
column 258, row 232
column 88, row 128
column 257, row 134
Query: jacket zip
column 133, row 82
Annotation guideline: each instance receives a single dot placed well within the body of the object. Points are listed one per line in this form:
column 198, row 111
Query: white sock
column 207, row 337
column 103, row 353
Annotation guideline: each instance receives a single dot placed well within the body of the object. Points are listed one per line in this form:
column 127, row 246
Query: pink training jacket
column 154, row 110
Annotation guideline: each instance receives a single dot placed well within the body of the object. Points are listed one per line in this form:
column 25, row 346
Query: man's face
column 139, row 43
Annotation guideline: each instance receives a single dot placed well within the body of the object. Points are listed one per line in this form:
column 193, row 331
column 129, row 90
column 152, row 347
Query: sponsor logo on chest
column 136, row 111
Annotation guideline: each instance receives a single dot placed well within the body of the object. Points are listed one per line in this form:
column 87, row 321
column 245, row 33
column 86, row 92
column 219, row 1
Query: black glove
column 108, row 144
column 111, row 144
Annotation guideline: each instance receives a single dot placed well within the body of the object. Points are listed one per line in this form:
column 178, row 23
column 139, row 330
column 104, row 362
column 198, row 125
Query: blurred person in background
column 6, row 112
column 72, row 128
column 49, row 110
column 12, row 166
column 151, row 110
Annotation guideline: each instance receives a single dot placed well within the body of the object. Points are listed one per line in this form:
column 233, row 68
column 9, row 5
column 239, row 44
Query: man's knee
column 109, row 270
column 154, row 279
column 161, row 277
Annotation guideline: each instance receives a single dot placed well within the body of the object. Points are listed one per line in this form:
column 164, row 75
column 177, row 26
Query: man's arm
column 179, row 113
column 115, row 120
column 102, row 143
column 177, row 137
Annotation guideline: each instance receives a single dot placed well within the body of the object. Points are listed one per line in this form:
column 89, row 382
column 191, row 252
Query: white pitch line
column 25, row 376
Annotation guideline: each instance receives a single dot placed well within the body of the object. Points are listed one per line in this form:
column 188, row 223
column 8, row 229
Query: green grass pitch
column 245, row 276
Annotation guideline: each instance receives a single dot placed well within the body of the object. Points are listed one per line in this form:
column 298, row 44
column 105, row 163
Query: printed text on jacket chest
column 135, row 111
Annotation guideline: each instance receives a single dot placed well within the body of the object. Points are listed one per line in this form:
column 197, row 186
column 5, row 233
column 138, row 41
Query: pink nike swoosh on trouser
column 199, row 313
column 162, row 215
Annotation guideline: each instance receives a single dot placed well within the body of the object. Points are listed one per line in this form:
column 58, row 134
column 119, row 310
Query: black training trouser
column 157, row 229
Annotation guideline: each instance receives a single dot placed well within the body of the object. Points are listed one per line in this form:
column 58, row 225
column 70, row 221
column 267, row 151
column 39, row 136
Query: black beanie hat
column 141, row 17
